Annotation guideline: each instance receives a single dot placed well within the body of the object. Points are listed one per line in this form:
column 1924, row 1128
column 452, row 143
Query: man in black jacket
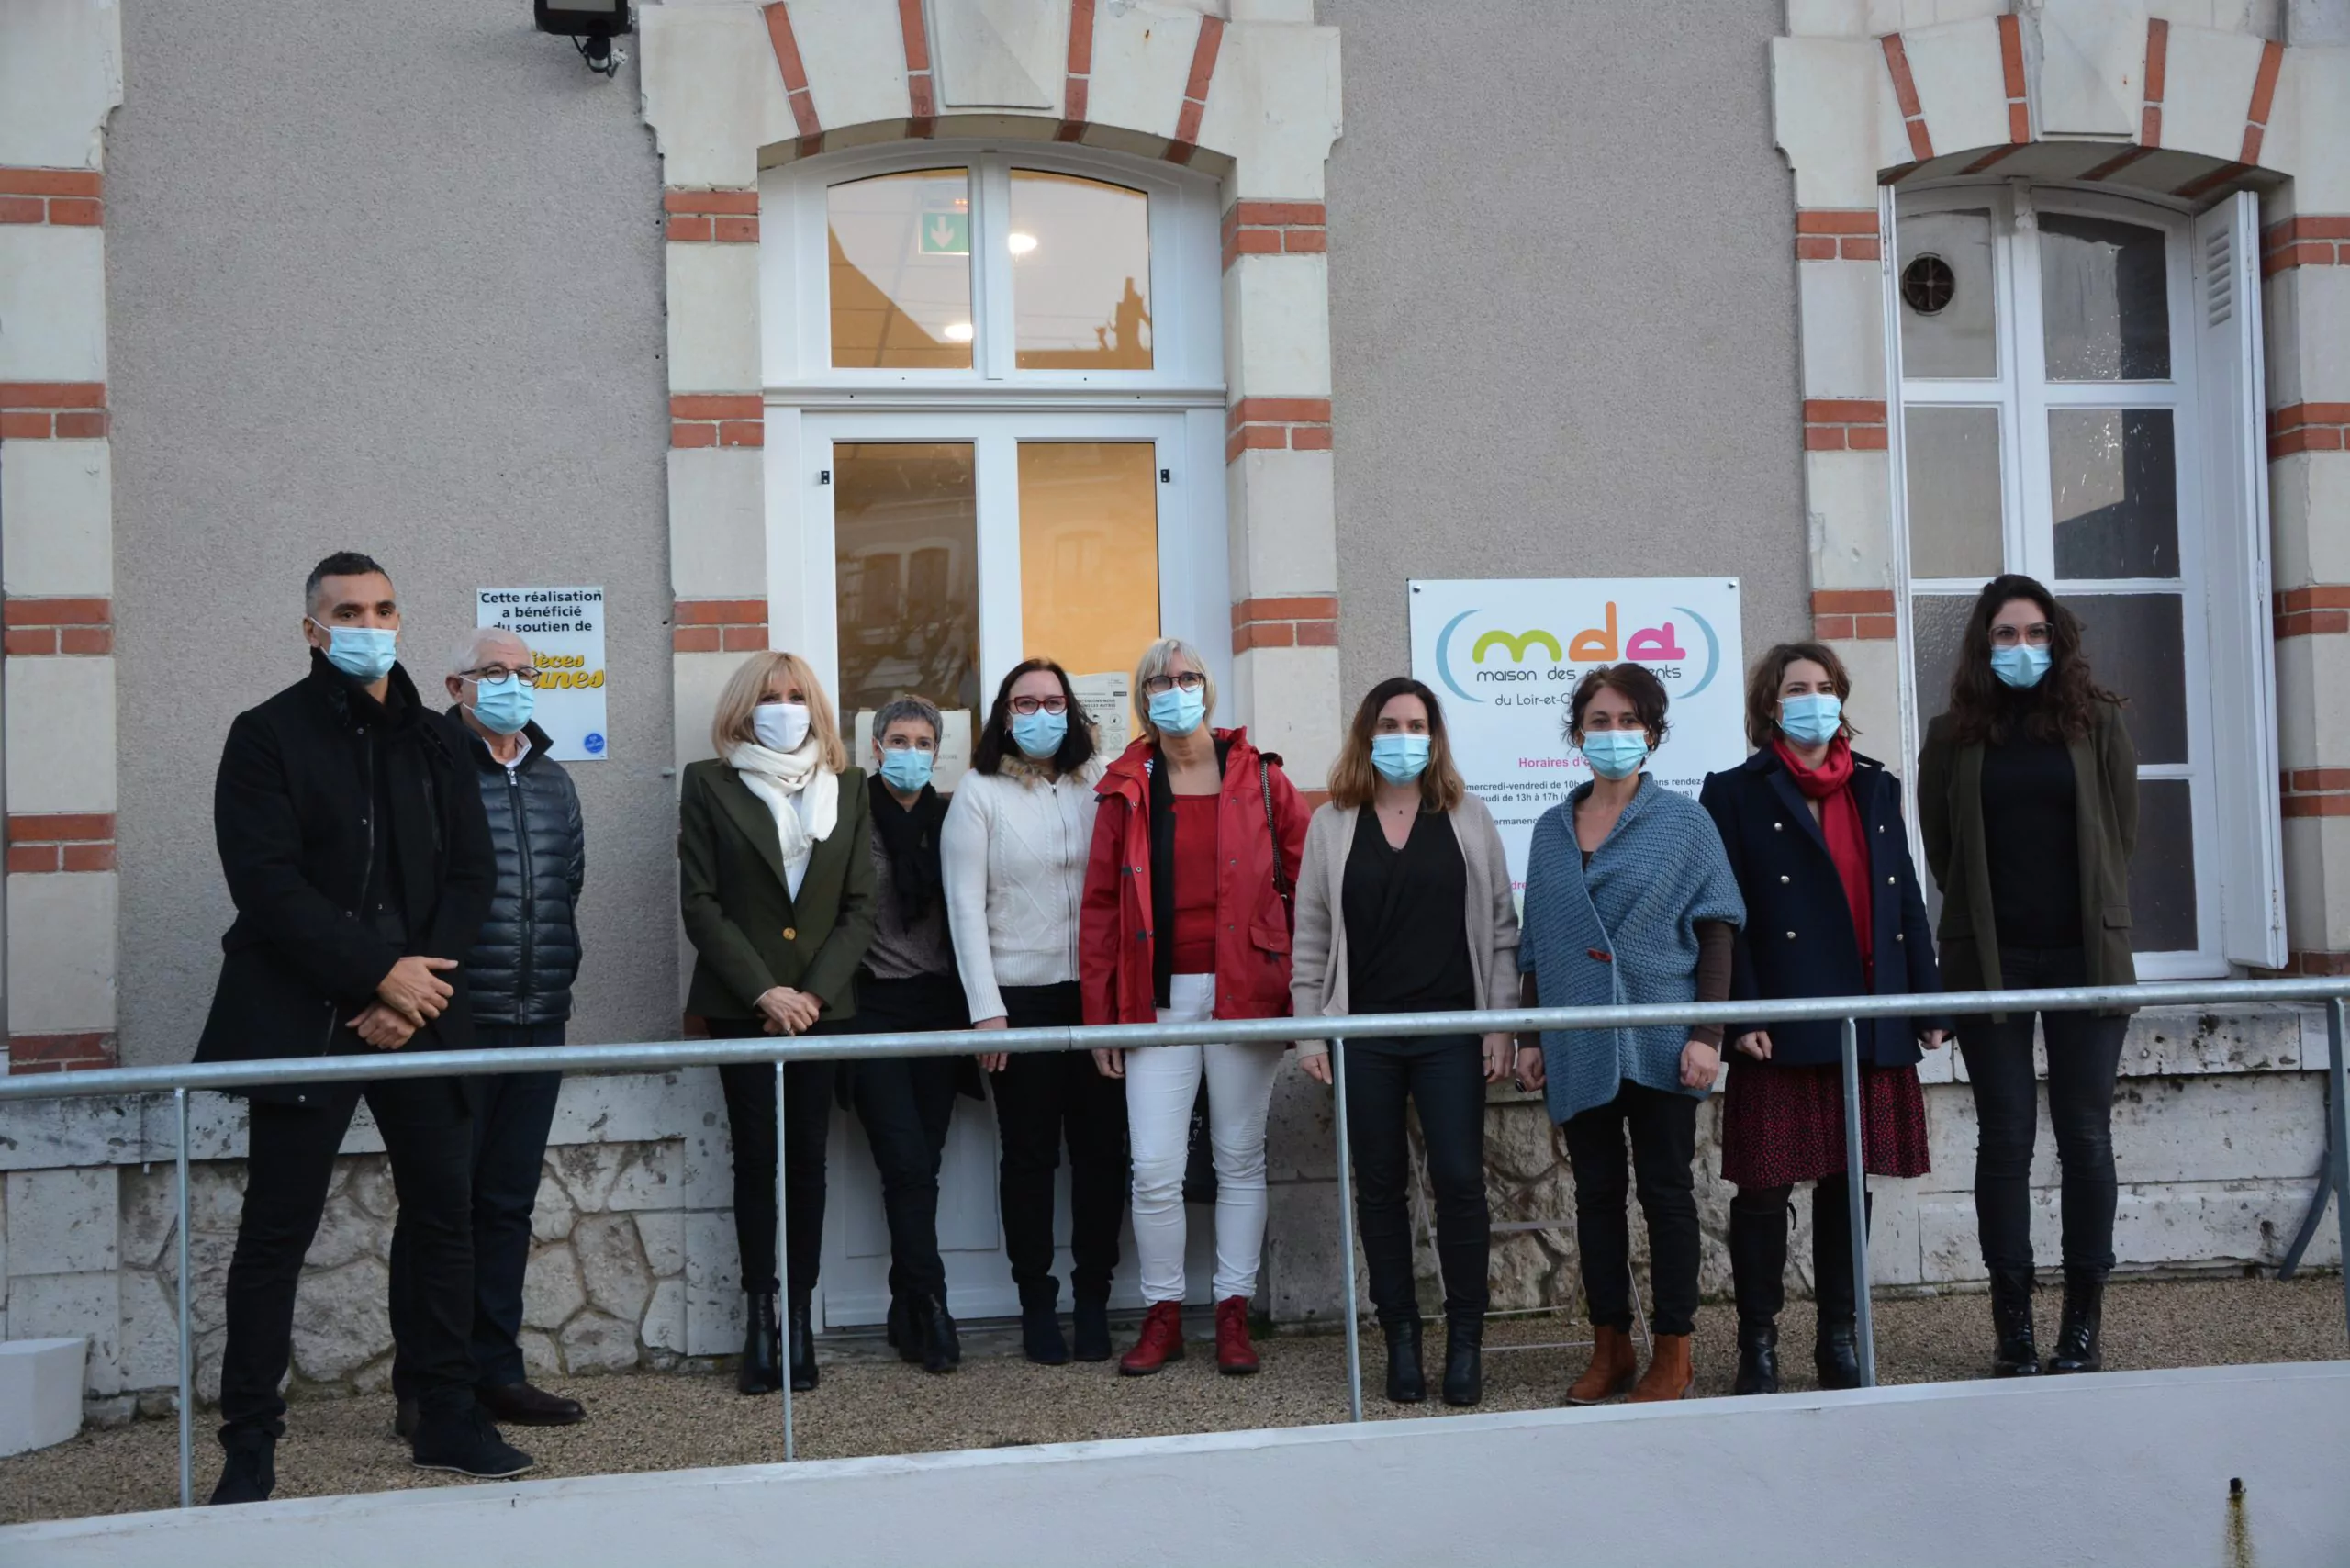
column 355, row 850
column 521, row 967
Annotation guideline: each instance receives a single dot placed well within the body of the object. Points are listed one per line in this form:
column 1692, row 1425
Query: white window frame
column 1186, row 275
column 2238, row 892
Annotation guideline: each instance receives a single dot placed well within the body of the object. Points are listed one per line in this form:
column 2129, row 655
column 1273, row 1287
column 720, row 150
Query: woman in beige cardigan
column 1404, row 905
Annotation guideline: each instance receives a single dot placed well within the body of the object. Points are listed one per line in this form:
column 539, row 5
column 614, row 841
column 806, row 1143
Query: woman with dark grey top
column 907, row 983
column 1628, row 899
column 2028, row 803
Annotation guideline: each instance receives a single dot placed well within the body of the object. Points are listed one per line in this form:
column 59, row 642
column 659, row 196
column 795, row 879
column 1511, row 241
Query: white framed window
column 2079, row 386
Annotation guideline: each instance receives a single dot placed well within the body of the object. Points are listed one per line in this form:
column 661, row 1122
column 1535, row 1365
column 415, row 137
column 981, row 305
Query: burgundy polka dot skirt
column 1785, row 1125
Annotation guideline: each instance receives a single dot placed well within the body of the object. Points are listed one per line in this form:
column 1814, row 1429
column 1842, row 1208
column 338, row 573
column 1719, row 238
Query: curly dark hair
column 2059, row 709
column 995, row 737
column 1637, row 684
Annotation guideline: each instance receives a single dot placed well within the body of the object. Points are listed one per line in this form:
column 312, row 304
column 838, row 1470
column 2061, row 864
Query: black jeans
column 1663, row 1130
column 289, row 1161
column 1444, row 1077
column 2084, row 1058
column 511, row 1112
column 907, row 1104
column 1041, row 1100
column 750, row 1119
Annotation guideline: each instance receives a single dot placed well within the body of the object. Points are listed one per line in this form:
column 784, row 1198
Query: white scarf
column 776, row 777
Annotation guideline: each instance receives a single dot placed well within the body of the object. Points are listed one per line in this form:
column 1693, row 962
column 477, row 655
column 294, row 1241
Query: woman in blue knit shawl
column 1630, row 898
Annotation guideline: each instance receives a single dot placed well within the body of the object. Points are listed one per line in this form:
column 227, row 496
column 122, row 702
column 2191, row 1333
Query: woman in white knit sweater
column 1015, row 850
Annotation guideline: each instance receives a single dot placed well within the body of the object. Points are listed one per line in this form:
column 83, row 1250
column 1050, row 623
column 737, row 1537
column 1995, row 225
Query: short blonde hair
column 731, row 724
column 1160, row 659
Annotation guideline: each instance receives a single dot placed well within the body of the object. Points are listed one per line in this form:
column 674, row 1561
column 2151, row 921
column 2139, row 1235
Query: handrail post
column 783, row 1253
column 187, row 1351
column 1346, row 1229
column 1856, row 1192
column 2337, row 1077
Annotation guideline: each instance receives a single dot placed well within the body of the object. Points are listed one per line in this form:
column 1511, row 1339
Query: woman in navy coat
column 1833, row 908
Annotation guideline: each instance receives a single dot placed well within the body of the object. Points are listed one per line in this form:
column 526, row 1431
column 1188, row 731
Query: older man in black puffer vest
column 521, row 968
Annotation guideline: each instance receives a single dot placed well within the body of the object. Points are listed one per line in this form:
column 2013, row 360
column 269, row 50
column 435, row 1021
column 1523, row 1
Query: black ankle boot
column 800, row 1338
column 937, row 1345
column 1040, row 1328
column 1465, row 1361
column 1837, row 1356
column 1089, row 1331
column 761, row 1370
column 1406, row 1384
column 249, row 1473
column 2015, row 1354
column 2077, row 1333
column 1758, row 1358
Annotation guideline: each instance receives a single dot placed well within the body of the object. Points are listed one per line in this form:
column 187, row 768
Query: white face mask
column 780, row 726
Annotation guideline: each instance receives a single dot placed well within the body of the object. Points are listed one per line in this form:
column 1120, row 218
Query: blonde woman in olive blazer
column 775, row 874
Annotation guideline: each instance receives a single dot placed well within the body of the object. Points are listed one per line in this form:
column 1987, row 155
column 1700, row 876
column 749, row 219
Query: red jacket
column 1114, row 936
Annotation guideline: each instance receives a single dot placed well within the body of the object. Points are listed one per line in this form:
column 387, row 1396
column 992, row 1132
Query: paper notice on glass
column 1108, row 701
column 563, row 628
column 953, row 747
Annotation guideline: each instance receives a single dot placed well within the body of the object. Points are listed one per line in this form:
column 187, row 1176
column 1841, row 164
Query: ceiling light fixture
column 1020, row 244
column 956, row 332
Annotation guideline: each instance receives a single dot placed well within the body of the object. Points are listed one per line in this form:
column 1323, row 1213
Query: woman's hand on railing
column 1316, row 1066
column 1756, row 1044
column 1531, row 1067
column 1500, row 1055
column 994, row 1061
column 1933, row 1039
column 1110, row 1062
column 1701, row 1063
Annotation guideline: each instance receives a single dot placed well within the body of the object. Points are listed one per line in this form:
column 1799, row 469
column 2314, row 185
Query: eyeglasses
column 1027, row 706
column 2037, row 634
column 526, row 675
column 1158, row 685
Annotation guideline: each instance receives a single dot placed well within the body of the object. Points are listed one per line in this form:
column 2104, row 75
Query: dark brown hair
column 995, row 738
column 1762, row 688
column 1353, row 780
column 1637, row 684
column 2059, row 709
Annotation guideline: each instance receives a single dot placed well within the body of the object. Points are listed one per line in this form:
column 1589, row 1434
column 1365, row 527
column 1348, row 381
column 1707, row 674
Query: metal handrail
column 1846, row 1011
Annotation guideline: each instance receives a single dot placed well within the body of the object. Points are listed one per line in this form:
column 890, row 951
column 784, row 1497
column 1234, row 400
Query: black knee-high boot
column 1836, row 1354
column 1757, row 1262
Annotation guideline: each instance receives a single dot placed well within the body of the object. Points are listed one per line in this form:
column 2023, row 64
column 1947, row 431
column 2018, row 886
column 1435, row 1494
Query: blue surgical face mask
column 1615, row 754
column 1399, row 758
column 1811, row 719
column 1039, row 735
column 504, row 706
column 363, row 653
column 2021, row 665
column 1176, row 711
column 907, row 771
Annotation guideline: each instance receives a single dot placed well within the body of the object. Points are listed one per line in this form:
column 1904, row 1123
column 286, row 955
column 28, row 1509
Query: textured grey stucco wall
column 1562, row 305
column 386, row 278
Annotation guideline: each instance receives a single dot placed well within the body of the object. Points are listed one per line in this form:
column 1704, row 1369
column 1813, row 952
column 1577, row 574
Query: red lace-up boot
column 1234, row 1356
column 1161, row 1340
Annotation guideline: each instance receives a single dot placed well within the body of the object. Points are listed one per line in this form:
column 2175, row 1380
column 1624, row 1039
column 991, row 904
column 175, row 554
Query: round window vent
column 1927, row 285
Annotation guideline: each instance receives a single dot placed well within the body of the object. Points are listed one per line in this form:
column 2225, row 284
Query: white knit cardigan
column 1013, row 851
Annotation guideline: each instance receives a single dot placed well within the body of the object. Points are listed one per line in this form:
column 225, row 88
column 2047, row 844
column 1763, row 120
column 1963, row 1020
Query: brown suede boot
column 1613, row 1364
column 1670, row 1375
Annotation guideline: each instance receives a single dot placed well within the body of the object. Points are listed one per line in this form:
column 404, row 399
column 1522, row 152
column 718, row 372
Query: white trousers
column 1161, row 1083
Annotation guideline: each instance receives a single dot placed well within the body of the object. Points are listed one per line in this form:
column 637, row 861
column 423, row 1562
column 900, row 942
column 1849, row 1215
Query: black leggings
column 750, row 1119
column 1043, row 1099
column 1663, row 1130
column 907, row 1104
column 2084, row 1058
column 1444, row 1077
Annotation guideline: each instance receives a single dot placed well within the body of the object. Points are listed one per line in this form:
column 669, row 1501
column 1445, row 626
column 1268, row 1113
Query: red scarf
column 1840, row 820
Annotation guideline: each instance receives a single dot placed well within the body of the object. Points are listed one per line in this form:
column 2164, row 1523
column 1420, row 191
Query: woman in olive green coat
column 2028, row 801
column 775, row 881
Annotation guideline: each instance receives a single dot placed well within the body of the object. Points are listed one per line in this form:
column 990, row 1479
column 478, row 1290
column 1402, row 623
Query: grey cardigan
column 1317, row 986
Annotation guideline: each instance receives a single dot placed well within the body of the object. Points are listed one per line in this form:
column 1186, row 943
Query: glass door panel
column 1089, row 553
column 905, row 552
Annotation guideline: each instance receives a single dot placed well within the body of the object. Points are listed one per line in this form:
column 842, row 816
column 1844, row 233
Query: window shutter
column 2235, row 549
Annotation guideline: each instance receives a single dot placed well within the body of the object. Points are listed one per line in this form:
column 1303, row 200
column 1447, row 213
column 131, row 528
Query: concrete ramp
column 2222, row 1466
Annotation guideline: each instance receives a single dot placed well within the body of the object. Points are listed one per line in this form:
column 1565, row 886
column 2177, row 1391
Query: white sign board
column 1504, row 654
column 1108, row 701
column 563, row 628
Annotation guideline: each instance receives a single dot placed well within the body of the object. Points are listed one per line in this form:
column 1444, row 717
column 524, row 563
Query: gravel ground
column 871, row 1403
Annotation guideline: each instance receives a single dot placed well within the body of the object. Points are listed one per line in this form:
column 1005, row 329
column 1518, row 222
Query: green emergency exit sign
column 946, row 234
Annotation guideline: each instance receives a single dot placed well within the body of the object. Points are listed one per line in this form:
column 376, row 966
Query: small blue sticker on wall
column 593, row 744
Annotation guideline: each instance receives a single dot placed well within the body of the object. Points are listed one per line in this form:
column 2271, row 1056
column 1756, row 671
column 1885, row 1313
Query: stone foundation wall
column 2218, row 1131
